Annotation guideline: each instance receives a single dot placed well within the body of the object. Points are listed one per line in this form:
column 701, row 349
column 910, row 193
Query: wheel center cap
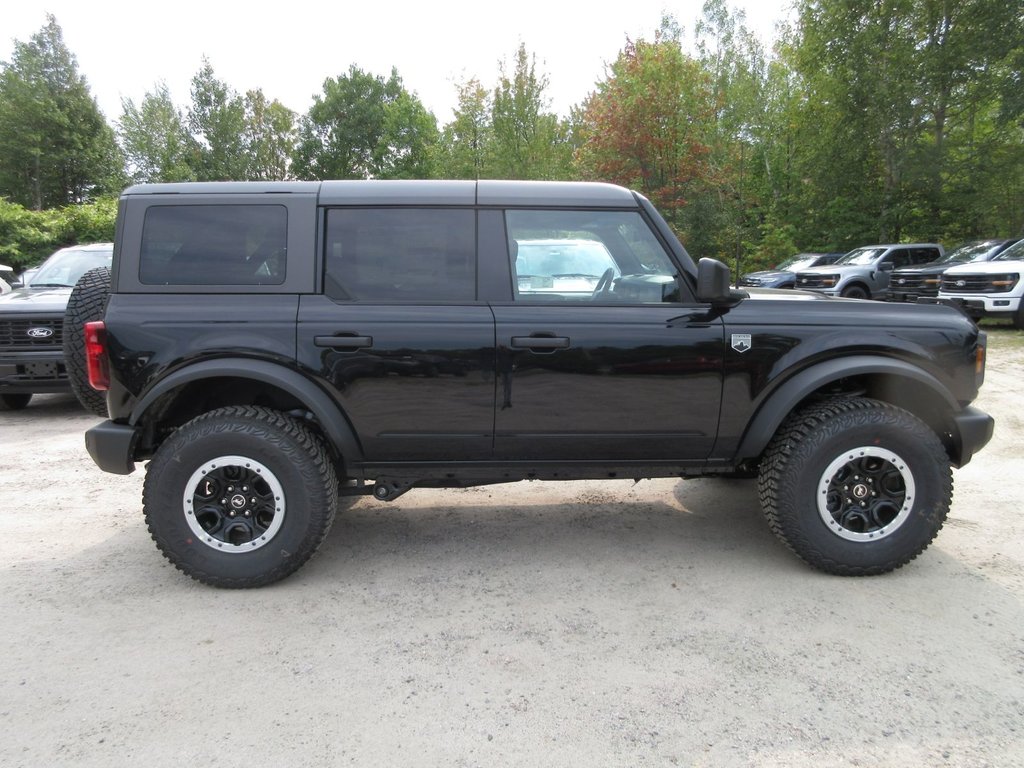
column 237, row 501
column 860, row 491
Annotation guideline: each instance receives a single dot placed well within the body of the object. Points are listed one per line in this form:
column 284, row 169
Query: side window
column 899, row 258
column 588, row 256
column 401, row 254
column 924, row 255
column 214, row 245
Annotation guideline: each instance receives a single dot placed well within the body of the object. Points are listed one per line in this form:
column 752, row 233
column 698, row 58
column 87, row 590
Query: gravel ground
column 584, row 623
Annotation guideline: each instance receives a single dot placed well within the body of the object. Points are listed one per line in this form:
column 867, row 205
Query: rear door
column 399, row 335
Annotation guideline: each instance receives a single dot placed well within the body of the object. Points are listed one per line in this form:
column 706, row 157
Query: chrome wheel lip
column 248, row 464
column 854, row 455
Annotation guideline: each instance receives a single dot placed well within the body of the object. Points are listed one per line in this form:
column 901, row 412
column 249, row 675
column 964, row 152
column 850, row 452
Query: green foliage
column 55, row 146
column 527, row 141
column 365, row 127
column 217, row 121
column 466, row 141
column 269, row 138
column 27, row 237
column 156, row 143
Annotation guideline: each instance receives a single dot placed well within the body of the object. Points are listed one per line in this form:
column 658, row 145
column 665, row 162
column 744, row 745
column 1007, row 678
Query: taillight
column 96, row 360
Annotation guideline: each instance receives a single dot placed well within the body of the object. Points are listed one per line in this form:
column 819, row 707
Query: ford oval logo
column 40, row 333
column 961, row 283
column 901, row 281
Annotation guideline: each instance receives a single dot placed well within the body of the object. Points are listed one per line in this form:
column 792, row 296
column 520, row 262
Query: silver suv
column 864, row 273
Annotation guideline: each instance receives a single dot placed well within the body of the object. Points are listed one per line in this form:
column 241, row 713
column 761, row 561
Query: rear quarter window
column 234, row 245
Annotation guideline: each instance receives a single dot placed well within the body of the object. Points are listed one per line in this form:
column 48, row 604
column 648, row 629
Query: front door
column 600, row 357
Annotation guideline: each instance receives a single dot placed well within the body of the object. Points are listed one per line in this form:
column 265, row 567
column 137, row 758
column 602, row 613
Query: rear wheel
column 87, row 303
column 240, row 497
column 856, row 487
column 14, row 402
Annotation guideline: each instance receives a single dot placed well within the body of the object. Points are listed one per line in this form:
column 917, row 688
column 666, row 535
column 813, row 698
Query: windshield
column 861, row 256
column 1014, row 253
column 63, row 268
column 563, row 258
column 798, row 262
column 968, row 252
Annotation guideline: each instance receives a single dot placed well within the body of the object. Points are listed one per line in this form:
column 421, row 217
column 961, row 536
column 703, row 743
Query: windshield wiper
column 575, row 274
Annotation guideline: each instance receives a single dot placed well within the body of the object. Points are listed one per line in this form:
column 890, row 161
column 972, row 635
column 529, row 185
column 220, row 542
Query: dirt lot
column 560, row 624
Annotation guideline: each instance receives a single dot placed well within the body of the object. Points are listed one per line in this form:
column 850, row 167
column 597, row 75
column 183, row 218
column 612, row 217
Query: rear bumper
column 973, row 430
column 112, row 447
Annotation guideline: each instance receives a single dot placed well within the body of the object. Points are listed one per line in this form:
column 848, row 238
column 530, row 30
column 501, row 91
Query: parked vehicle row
column 981, row 277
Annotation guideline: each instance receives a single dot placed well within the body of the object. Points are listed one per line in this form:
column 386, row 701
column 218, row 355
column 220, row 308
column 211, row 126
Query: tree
column 365, row 127
column 156, row 143
column 466, row 141
column 55, row 145
column 527, row 141
column 217, row 122
column 269, row 138
column 647, row 126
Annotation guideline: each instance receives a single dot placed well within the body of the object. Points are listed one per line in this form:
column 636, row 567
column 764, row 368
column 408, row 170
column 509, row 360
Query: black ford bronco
column 273, row 348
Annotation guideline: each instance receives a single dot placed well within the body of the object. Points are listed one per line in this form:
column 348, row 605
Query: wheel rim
column 866, row 494
column 234, row 504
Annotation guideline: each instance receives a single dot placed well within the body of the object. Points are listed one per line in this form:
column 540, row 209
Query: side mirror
column 887, row 266
column 713, row 285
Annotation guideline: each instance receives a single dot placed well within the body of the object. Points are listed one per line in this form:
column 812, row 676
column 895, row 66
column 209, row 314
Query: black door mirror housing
column 713, row 286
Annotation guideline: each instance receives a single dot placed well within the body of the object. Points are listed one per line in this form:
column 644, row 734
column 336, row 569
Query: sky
column 125, row 48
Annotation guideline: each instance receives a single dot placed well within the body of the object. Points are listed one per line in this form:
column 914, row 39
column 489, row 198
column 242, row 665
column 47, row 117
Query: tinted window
column 401, row 254
column 924, row 255
column 214, row 245
column 588, row 256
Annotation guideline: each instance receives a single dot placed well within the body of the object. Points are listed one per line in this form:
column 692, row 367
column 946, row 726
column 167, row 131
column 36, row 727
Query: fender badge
column 741, row 342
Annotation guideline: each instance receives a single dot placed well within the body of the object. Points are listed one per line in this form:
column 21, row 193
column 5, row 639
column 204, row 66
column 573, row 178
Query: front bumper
column 972, row 431
column 33, row 372
column 112, row 447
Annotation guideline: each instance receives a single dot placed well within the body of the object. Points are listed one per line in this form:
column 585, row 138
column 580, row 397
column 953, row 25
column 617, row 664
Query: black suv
column 272, row 348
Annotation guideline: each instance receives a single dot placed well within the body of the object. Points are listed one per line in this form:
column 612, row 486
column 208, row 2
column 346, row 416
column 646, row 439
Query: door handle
column 540, row 342
column 344, row 342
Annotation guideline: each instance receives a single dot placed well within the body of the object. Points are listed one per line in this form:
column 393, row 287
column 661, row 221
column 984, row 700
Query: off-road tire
column 87, row 303
column 795, row 473
column 285, row 453
column 856, row 292
column 14, row 402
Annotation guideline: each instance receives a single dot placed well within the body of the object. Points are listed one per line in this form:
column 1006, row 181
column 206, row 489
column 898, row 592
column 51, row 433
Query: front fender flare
column 780, row 403
column 326, row 412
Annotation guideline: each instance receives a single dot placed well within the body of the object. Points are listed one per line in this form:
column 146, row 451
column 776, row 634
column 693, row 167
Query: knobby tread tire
column 87, row 303
column 310, row 488
column 792, row 512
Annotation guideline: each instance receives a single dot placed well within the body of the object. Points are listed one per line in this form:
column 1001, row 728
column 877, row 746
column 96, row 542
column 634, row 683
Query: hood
column 35, row 300
column 838, row 269
column 788, row 294
column 984, row 268
column 924, row 269
column 768, row 274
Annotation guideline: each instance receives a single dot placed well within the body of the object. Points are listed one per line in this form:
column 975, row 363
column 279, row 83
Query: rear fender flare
column 326, row 412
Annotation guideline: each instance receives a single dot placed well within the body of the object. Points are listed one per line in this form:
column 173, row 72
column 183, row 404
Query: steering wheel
column 604, row 284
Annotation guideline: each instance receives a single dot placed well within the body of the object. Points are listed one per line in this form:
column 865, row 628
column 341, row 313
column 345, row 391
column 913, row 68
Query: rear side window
column 214, row 245
column 401, row 254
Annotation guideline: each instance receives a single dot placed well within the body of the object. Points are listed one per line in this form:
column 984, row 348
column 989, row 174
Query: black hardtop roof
column 409, row 192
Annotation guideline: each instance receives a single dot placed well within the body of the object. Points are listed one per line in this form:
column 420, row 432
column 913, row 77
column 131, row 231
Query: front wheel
column 855, row 292
column 855, row 487
column 240, row 497
column 14, row 402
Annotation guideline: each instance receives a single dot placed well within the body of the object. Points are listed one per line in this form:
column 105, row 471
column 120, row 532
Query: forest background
column 868, row 121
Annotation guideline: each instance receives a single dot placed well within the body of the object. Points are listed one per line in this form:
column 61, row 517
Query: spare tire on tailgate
column 87, row 303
